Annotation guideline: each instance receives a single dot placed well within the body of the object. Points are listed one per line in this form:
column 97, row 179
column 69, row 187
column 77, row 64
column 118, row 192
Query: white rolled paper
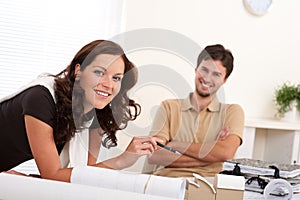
column 128, row 181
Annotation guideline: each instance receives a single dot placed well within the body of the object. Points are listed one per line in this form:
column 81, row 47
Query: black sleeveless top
column 14, row 147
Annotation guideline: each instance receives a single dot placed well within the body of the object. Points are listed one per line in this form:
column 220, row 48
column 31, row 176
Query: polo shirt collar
column 214, row 106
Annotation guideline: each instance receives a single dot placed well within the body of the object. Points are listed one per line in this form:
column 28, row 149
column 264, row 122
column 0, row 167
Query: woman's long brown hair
column 69, row 96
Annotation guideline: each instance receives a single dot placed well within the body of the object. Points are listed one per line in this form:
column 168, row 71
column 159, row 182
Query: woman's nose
column 106, row 81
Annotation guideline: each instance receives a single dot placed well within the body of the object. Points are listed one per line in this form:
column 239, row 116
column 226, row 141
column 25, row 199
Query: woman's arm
column 41, row 141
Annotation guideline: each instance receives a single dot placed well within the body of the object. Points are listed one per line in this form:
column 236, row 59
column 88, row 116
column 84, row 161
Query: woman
column 87, row 99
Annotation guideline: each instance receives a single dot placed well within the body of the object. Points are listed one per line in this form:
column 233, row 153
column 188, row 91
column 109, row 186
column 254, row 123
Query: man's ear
column 77, row 72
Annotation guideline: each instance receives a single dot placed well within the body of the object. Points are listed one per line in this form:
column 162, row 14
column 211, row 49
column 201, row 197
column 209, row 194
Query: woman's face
column 101, row 80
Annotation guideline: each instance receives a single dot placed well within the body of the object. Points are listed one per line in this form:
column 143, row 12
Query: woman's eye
column 117, row 78
column 99, row 72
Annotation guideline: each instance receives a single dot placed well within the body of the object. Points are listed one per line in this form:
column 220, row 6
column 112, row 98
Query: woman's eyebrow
column 99, row 66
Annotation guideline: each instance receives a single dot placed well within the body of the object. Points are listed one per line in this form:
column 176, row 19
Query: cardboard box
column 229, row 187
column 199, row 188
column 221, row 187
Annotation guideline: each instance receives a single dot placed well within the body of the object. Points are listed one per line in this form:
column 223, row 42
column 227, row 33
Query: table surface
column 269, row 123
column 247, row 194
column 15, row 187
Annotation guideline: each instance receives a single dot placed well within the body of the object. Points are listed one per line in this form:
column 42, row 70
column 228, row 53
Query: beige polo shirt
column 178, row 120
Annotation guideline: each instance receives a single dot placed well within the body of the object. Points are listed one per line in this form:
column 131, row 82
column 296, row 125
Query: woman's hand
column 144, row 145
column 15, row 172
column 139, row 146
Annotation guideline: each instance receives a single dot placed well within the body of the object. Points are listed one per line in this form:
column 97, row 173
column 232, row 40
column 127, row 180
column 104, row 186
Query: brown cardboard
column 204, row 191
column 226, row 194
column 223, row 187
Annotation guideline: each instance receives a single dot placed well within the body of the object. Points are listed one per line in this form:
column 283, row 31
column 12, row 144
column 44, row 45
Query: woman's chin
column 100, row 106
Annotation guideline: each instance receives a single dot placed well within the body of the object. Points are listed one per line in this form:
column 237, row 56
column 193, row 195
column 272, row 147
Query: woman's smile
column 102, row 94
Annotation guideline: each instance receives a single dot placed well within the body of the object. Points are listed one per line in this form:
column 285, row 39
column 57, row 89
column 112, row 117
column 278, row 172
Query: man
column 205, row 131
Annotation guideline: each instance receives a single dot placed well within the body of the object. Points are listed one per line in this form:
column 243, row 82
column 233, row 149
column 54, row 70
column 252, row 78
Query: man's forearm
column 186, row 161
column 169, row 159
column 209, row 152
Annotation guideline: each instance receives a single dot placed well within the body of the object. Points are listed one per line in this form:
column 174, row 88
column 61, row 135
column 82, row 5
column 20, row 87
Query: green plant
column 286, row 97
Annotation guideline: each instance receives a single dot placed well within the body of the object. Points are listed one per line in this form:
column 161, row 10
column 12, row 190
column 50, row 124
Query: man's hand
column 223, row 133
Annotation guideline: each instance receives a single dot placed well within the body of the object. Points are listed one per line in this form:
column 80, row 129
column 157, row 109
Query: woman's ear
column 225, row 80
column 77, row 72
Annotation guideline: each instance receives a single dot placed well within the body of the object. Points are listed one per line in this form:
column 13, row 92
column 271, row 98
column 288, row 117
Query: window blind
column 43, row 36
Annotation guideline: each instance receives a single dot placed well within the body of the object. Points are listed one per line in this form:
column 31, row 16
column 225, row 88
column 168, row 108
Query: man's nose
column 207, row 77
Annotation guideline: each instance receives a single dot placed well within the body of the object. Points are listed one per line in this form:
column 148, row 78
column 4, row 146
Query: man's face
column 210, row 76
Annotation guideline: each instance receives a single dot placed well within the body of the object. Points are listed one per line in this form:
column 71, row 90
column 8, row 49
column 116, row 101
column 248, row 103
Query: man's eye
column 203, row 69
column 99, row 72
column 217, row 74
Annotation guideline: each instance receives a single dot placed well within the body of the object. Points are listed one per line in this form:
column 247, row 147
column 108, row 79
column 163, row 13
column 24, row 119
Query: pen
column 168, row 148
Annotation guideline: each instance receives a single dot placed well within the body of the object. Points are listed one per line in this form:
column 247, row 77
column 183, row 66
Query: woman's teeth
column 102, row 93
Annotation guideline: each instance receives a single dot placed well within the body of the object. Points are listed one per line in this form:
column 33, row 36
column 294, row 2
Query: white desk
column 271, row 140
column 14, row 187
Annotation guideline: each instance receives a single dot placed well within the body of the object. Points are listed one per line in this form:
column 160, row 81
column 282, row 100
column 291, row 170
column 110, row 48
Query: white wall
column 265, row 48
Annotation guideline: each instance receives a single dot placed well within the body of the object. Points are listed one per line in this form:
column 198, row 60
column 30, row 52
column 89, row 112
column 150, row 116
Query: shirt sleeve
column 160, row 126
column 39, row 103
column 235, row 120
